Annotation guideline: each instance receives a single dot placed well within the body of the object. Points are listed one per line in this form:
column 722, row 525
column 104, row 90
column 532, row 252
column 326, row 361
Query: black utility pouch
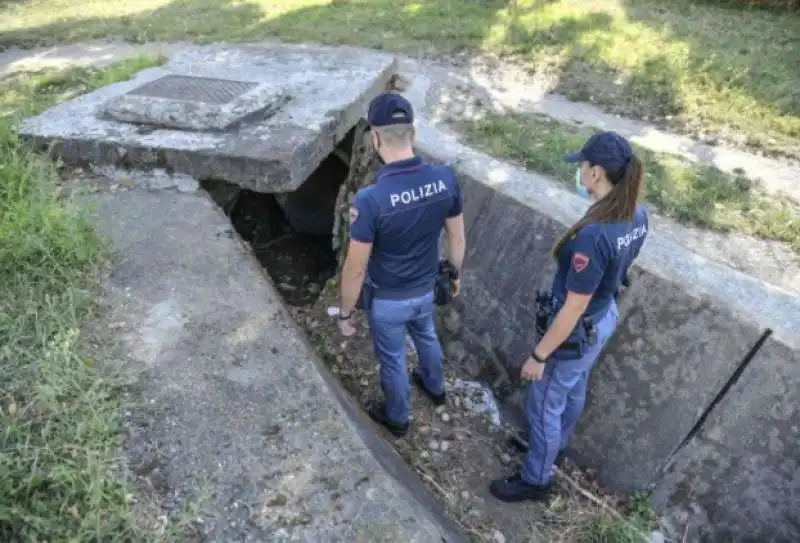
column 364, row 302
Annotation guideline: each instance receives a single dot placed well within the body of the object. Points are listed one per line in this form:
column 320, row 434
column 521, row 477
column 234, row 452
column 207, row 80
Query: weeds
column 59, row 410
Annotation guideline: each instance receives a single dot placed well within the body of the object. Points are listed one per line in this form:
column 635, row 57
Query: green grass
column 60, row 426
column 634, row 527
column 728, row 73
column 687, row 192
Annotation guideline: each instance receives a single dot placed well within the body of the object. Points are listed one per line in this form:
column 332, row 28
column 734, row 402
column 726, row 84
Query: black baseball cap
column 390, row 108
column 607, row 149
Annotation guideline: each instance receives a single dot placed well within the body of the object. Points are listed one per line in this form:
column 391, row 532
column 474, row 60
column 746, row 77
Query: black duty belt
column 582, row 336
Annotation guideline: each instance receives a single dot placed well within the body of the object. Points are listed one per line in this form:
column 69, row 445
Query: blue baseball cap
column 607, row 149
column 390, row 108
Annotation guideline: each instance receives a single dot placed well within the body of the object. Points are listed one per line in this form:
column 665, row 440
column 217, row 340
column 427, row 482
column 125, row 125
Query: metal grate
column 194, row 89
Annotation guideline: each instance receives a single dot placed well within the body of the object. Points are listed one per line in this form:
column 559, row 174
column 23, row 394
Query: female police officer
column 593, row 258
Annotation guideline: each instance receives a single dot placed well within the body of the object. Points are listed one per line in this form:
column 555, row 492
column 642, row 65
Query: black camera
column 443, row 288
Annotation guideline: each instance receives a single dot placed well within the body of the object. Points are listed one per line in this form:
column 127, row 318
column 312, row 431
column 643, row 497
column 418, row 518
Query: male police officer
column 395, row 225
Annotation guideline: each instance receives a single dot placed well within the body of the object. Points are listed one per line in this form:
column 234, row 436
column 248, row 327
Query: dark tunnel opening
column 289, row 233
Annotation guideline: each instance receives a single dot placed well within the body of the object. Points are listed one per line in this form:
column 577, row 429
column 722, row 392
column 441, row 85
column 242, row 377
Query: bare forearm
column 456, row 249
column 558, row 332
column 351, row 288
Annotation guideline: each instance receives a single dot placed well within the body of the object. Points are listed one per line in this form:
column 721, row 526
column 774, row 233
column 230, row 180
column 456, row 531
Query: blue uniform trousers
column 389, row 320
column 556, row 401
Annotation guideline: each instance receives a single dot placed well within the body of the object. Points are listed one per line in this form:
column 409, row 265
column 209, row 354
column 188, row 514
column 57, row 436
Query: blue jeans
column 388, row 321
column 556, row 401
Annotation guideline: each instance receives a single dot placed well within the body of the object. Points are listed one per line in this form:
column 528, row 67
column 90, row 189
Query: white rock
column 498, row 537
column 657, row 537
column 445, row 417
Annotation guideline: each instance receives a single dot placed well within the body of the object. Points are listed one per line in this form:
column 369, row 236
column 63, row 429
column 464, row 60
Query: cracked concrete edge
column 760, row 302
column 775, row 175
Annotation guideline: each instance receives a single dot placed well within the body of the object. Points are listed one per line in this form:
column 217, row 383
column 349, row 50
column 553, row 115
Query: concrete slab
column 236, row 402
column 738, row 480
column 263, row 117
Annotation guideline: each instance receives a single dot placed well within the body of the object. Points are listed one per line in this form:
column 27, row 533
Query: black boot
column 438, row 399
column 377, row 412
column 519, row 442
column 514, row 489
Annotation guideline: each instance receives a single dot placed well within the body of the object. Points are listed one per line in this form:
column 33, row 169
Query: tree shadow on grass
column 745, row 58
column 402, row 26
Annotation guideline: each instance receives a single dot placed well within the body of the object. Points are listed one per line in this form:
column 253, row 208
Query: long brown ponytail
column 618, row 205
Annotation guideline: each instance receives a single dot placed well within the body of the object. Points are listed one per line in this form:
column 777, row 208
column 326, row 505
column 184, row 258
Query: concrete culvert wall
column 696, row 396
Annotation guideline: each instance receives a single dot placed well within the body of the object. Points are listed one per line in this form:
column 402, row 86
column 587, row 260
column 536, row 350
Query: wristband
column 537, row 358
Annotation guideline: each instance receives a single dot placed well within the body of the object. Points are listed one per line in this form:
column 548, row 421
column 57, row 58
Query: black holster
column 365, row 297
column 582, row 336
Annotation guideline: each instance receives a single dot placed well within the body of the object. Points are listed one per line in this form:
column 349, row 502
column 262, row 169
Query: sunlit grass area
column 723, row 73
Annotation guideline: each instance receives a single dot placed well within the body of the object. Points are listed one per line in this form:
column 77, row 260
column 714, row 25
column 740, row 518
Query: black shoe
column 377, row 412
column 514, row 489
column 438, row 399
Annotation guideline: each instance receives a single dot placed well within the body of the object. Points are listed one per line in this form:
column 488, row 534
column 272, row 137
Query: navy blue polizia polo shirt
column 402, row 214
column 596, row 260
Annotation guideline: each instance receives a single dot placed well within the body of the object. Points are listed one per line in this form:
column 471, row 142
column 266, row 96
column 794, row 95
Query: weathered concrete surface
column 241, row 406
column 739, row 479
column 267, row 118
column 671, row 354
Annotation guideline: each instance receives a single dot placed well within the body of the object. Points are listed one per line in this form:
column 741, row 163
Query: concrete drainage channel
column 678, row 401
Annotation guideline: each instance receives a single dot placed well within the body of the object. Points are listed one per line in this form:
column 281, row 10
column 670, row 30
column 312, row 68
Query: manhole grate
column 194, row 89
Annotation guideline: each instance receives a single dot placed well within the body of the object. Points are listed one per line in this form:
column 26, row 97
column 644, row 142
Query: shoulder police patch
column 580, row 261
column 353, row 215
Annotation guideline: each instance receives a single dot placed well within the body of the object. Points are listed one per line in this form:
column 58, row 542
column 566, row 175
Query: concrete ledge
column 739, row 479
column 302, row 101
column 235, row 393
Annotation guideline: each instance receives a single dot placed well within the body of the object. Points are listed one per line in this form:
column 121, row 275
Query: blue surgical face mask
column 580, row 188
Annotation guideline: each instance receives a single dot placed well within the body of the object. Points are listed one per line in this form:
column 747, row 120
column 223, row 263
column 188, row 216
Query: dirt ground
column 457, row 451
